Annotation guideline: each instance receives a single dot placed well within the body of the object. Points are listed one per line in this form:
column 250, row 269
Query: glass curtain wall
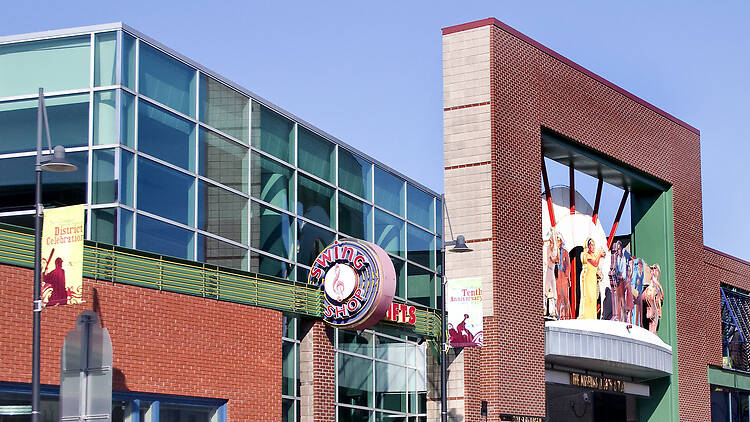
column 380, row 378
column 176, row 162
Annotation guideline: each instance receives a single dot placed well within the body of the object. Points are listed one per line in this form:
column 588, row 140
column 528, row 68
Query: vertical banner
column 463, row 303
column 62, row 256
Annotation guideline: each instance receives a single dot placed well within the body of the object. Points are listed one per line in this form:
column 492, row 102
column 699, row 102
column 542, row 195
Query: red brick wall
column 531, row 89
column 162, row 343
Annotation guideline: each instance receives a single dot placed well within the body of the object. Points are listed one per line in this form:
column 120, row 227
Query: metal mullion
column 47, row 95
column 118, row 57
column 127, row 89
column 90, row 180
column 222, row 134
column 33, row 153
column 219, row 185
column 136, row 159
column 100, row 206
column 249, row 183
column 272, row 157
column 167, row 164
column 221, row 238
column 166, row 220
column 271, row 206
column 270, row 255
column 317, row 179
column 105, row 87
column 315, row 223
column 196, row 141
column 296, row 196
column 167, row 108
column 16, row 213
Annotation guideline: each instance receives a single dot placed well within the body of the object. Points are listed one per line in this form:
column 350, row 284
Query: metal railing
column 127, row 266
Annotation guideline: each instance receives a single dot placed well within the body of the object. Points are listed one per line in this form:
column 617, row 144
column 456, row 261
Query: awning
column 608, row 347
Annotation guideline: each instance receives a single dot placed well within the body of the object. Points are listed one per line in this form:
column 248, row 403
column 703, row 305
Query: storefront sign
column 597, row 383
column 463, row 302
column 520, row 418
column 62, row 256
column 358, row 281
column 399, row 312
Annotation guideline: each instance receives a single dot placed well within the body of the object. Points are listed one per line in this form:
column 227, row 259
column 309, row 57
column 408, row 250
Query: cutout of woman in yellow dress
column 590, row 262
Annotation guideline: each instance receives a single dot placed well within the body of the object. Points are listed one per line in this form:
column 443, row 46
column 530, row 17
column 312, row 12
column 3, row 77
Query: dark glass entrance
column 576, row 404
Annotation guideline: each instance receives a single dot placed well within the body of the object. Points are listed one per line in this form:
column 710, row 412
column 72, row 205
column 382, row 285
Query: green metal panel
column 653, row 240
column 126, row 266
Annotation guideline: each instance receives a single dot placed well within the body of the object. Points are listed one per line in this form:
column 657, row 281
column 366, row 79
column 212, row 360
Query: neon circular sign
column 358, row 281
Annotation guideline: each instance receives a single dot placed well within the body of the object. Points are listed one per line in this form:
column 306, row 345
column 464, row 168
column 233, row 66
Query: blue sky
column 370, row 73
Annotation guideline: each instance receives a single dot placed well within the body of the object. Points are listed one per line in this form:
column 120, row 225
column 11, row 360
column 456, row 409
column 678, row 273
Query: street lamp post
column 56, row 162
column 459, row 246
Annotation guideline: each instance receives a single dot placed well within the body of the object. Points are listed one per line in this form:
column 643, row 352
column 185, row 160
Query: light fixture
column 57, row 161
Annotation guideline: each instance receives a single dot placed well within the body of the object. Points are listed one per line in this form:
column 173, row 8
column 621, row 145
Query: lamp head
column 57, row 162
column 460, row 246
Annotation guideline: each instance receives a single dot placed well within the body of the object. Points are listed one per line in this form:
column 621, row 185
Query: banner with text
column 463, row 303
column 62, row 256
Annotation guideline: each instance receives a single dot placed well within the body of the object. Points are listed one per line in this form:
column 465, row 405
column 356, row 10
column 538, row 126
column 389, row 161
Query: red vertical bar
column 617, row 219
column 572, row 189
column 598, row 199
column 572, row 289
column 546, row 192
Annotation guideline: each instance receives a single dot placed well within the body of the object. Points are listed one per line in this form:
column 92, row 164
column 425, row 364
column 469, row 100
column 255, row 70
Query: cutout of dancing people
column 617, row 273
column 550, row 291
column 56, row 279
column 653, row 296
column 562, row 277
column 637, row 288
column 589, row 284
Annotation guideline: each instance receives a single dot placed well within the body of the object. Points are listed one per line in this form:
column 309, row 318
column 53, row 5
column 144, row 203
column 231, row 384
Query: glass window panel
column 421, row 246
column 389, row 417
column 165, row 192
column 166, row 136
column 262, row 264
column 355, row 174
column 303, row 274
column 289, row 328
column 400, row 267
column 17, row 183
column 315, row 201
column 222, row 160
column 316, row 154
column 55, row 64
column 287, row 368
column 311, row 240
column 420, row 286
column 166, row 80
column 439, row 255
column 215, row 252
column 353, row 342
column 389, row 191
column 105, row 117
column 389, row 233
column 389, row 349
column 105, row 46
column 439, row 217
column 128, row 61
column 349, row 414
column 104, row 186
column 127, row 185
column 355, row 217
column 354, row 380
column 390, row 387
column 26, row 220
column 126, row 228
column 224, row 108
column 181, row 412
column 287, row 410
column 272, row 182
column 103, row 223
column 271, row 231
column 272, row 133
column 127, row 119
column 222, row 212
column 420, row 207
column 163, row 238
column 68, row 118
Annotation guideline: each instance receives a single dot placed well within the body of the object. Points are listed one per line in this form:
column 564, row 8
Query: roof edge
column 574, row 65
column 726, row 255
column 30, row 36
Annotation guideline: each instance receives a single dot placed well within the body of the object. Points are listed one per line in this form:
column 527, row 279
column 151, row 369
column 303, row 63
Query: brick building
column 207, row 205
column 512, row 107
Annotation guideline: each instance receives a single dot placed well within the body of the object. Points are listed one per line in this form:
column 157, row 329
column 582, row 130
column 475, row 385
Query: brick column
column 317, row 372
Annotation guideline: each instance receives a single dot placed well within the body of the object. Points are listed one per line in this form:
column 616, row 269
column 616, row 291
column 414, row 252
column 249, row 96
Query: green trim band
column 136, row 268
